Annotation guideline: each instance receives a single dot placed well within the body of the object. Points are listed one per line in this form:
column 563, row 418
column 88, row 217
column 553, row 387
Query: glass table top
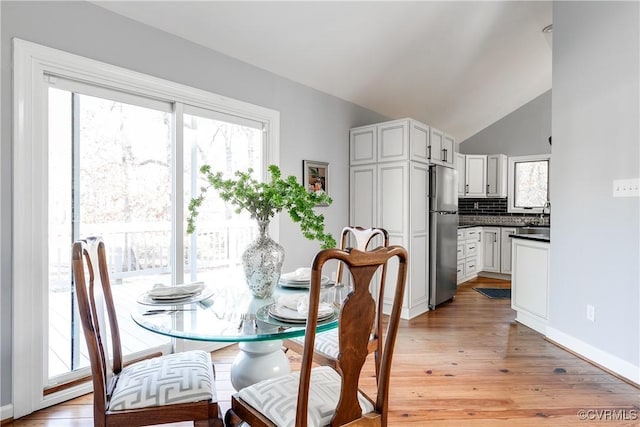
column 230, row 314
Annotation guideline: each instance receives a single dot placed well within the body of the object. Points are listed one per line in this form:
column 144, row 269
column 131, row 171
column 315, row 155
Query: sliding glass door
column 102, row 150
column 112, row 174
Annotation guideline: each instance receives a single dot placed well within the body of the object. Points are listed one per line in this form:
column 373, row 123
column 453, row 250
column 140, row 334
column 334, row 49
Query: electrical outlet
column 591, row 313
column 626, row 187
column 476, row 205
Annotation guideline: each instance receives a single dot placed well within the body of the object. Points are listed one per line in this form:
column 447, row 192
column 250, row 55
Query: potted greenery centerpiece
column 262, row 260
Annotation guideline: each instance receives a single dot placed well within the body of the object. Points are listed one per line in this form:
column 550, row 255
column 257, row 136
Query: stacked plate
column 286, row 314
column 181, row 294
column 300, row 279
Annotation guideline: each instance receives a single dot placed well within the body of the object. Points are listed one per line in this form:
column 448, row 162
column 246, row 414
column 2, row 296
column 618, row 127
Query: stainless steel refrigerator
column 443, row 234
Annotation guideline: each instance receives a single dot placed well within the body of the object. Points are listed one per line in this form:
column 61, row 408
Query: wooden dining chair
column 326, row 343
column 165, row 389
column 322, row 395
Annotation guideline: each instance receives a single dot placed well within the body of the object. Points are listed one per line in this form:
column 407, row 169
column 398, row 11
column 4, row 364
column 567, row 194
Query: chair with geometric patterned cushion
column 326, row 345
column 165, row 389
column 320, row 396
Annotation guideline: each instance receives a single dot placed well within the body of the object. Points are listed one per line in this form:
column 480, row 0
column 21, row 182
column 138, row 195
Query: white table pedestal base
column 258, row 361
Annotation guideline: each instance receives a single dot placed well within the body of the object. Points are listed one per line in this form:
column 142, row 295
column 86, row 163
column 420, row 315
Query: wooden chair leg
column 214, row 420
column 231, row 419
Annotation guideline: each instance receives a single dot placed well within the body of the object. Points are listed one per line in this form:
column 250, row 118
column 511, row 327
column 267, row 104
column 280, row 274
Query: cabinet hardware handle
column 466, row 188
column 444, row 154
column 428, row 151
column 488, row 187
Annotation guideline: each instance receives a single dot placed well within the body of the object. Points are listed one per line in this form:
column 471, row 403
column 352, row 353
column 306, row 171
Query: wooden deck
column 133, row 337
column 468, row 363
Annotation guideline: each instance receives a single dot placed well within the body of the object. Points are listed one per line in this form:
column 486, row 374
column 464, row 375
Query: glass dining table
column 223, row 313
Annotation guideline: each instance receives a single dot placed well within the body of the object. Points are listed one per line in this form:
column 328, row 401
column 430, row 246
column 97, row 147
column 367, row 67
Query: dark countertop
column 484, row 224
column 538, row 237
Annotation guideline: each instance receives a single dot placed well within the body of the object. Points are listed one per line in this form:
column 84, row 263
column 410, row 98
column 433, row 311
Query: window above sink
column 528, row 184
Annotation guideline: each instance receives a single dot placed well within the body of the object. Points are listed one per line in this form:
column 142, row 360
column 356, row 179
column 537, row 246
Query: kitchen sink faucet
column 547, row 204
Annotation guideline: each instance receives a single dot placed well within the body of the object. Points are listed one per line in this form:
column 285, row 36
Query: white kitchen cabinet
column 402, row 210
column 448, row 150
column 363, row 193
column 393, row 141
column 363, row 145
column 436, row 141
column 441, row 148
column 497, row 175
column 505, row 249
column 530, row 282
column 404, row 139
column 475, row 175
column 460, row 167
column 419, row 141
column 393, row 195
column 469, row 253
column 491, row 249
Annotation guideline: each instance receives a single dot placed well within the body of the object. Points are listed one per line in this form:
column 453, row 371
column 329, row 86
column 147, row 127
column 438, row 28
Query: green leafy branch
column 265, row 199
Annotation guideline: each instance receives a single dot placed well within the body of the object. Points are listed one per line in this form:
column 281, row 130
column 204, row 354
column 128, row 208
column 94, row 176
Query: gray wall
column 595, row 237
column 313, row 125
column 523, row 132
column 594, row 107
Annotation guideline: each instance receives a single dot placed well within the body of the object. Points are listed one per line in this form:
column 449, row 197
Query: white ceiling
column 458, row 66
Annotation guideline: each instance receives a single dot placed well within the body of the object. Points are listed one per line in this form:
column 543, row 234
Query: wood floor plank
column 468, row 363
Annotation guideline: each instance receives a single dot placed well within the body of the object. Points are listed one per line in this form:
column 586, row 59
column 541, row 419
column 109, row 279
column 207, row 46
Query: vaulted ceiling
column 455, row 65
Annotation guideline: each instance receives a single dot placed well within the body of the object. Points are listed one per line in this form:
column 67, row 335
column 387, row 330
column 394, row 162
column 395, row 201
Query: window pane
column 110, row 176
column 221, row 235
column 531, row 181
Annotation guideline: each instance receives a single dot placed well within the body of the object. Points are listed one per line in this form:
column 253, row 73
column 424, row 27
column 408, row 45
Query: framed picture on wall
column 315, row 176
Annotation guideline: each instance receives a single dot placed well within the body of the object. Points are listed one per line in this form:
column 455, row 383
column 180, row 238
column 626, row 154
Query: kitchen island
column 530, row 258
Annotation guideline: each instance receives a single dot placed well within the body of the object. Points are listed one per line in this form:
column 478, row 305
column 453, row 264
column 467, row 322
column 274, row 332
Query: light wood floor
column 468, row 363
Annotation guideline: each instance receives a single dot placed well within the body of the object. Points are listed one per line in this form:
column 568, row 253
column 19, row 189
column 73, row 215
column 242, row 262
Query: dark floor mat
column 495, row 293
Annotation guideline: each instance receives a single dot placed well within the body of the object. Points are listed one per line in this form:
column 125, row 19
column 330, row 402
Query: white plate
column 263, row 315
column 285, row 314
column 303, row 284
column 160, row 291
column 146, row 299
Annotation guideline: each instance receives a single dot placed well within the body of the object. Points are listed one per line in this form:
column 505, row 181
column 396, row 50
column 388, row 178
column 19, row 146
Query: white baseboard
column 608, row 361
column 6, row 412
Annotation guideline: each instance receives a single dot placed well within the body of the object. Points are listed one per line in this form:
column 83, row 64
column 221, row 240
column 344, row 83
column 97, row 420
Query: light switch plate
column 626, row 187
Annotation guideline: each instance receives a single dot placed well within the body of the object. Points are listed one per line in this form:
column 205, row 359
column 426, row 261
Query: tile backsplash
column 493, row 210
column 485, row 206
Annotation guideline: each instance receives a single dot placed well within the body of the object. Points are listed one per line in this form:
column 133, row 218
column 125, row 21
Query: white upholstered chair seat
column 166, row 380
column 277, row 398
column 325, row 343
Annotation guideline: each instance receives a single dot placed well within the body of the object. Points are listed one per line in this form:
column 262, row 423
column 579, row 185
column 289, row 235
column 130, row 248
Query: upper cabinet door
column 436, row 145
column 475, row 175
column 393, row 141
column 419, row 142
column 363, row 145
column 448, row 150
column 460, row 167
column 497, row 175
